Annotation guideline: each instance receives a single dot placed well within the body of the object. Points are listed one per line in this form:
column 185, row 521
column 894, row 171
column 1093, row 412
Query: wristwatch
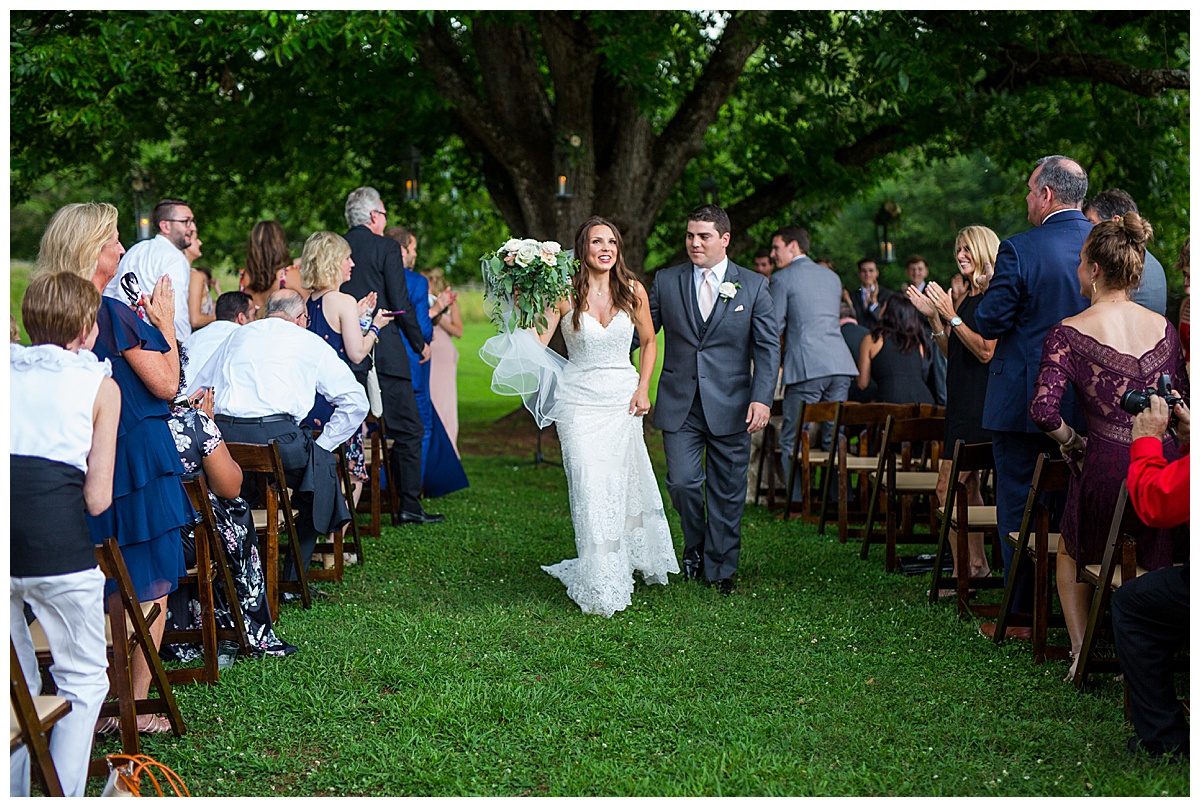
column 955, row 322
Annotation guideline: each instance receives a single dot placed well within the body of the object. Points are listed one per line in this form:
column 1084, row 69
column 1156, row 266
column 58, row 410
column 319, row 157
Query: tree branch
column 683, row 137
column 1028, row 67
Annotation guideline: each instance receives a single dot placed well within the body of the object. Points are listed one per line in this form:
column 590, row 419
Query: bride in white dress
column 616, row 507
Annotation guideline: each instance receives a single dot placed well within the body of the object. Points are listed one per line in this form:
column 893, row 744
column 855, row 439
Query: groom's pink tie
column 706, row 294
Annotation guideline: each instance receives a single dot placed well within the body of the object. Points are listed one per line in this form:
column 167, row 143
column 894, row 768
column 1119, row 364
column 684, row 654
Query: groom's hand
column 757, row 417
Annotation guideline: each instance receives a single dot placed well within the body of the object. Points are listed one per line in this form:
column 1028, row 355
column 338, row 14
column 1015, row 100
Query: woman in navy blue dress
column 149, row 503
column 337, row 318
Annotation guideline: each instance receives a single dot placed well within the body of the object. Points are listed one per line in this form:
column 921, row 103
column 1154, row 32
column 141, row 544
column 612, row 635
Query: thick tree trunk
column 592, row 131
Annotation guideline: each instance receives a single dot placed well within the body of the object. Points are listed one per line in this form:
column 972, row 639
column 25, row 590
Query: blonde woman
column 443, row 355
column 334, row 316
column 967, row 357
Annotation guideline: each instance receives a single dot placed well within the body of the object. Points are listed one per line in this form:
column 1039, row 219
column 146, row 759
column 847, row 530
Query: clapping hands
column 160, row 305
column 942, row 302
column 921, row 302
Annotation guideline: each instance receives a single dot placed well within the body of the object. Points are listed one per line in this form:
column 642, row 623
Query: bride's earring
column 1093, row 290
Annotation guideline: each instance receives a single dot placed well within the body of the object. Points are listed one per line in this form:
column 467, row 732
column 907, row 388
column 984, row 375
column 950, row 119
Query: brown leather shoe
column 988, row 629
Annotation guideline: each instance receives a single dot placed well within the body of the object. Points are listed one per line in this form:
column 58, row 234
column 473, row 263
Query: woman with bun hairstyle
column 1112, row 346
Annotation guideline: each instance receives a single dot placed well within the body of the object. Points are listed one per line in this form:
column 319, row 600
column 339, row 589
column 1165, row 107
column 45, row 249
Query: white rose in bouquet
column 549, row 252
column 511, row 245
column 527, row 253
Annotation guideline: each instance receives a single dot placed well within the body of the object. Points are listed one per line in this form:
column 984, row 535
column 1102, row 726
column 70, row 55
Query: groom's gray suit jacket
column 714, row 357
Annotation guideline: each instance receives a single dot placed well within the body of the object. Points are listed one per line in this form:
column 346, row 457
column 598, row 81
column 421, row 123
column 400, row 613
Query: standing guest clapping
column 967, row 357
column 1113, row 346
column 443, row 355
column 1033, row 287
column 334, row 316
column 149, row 504
column 269, row 266
column 65, row 409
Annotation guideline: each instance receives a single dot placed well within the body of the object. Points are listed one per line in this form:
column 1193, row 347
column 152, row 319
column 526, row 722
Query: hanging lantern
column 412, row 185
column 887, row 221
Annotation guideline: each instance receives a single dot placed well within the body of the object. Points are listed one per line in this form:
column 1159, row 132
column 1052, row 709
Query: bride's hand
column 640, row 404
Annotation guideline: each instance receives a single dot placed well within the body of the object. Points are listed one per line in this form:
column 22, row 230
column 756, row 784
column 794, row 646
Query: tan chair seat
column 1052, row 541
column 916, row 482
column 260, row 518
column 1092, row 573
column 50, row 709
column 817, row 457
column 42, row 645
column 855, row 463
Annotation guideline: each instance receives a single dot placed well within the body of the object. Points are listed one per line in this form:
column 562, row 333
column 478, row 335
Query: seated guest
column 264, row 378
column 269, row 266
column 1150, row 614
column 967, row 358
column 200, row 286
column 896, row 355
column 64, row 408
column 234, row 308
column 202, row 449
column 853, row 334
column 334, row 316
column 1114, row 345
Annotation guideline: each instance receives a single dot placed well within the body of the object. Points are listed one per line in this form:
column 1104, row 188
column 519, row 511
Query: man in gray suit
column 1112, row 204
column 721, row 357
column 817, row 365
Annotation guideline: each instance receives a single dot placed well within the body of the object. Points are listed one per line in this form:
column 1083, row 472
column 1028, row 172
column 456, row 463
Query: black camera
column 1135, row 401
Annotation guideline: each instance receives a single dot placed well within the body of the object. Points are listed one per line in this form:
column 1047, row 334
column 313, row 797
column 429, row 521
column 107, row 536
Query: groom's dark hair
column 714, row 214
column 790, row 233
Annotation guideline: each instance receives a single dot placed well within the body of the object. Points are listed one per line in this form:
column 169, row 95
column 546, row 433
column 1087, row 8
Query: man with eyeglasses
column 264, row 378
column 379, row 268
column 147, row 261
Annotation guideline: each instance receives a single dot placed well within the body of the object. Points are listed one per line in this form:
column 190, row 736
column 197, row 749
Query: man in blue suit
column 1035, row 285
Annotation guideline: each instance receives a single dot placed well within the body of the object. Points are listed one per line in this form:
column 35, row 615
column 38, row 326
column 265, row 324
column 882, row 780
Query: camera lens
column 1135, row 401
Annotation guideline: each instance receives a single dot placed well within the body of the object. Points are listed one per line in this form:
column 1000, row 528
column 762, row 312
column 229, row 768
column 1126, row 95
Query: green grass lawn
column 449, row 664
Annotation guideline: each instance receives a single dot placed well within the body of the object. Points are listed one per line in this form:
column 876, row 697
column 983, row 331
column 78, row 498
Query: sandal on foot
column 108, row 725
column 153, row 724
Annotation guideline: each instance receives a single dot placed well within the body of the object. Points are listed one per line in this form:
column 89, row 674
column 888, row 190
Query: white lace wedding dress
column 616, row 508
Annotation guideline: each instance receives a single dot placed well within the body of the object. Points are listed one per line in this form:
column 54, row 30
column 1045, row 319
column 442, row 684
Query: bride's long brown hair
column 620, row 279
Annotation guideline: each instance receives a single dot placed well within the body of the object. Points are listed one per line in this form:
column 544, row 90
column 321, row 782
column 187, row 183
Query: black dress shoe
column 725, row 585
column 693, row 569
column 420, row 517
column 313, row 593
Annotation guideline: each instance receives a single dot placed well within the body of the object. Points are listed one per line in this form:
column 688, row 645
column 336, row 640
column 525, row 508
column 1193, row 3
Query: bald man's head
column 285, row 303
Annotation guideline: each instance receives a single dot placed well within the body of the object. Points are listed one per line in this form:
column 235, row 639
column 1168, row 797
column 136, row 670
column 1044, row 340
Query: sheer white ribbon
column 526, row 367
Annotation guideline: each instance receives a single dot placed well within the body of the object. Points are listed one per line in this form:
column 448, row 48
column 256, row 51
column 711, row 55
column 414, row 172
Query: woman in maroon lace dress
column 1112, row 346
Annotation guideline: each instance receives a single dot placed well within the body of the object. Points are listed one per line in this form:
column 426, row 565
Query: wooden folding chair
column 863, row 422
column 211, row 565
column 964, row 518
column 264, row 460
column 30, row 719
column 372, row 495
column 806, row 458
column 913, row 478
column 1119, row 564
column 769, row 459
column 356, row 532
column 1050, row 476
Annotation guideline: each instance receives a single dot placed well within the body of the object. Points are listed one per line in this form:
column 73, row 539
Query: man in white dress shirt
column 162, row 255
column 234, row 309
column 264, row 378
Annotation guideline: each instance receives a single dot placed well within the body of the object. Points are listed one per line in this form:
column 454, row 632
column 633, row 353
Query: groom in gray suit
column 817, row 365
column 720, row 361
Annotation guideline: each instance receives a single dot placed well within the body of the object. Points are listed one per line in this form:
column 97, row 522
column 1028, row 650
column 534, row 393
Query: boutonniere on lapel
column 728, row 290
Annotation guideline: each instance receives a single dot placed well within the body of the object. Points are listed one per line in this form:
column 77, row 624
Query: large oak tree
column 791, row 112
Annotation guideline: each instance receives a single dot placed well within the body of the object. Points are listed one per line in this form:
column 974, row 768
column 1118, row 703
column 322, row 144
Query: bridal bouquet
column 523, row 278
